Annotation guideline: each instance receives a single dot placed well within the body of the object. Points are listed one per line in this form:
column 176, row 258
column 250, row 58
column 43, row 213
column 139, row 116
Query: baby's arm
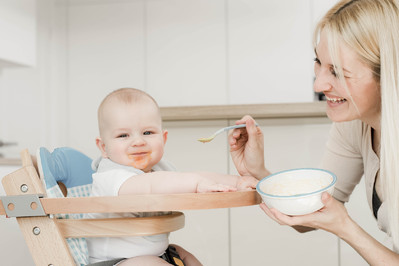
column 165, row 182
column 239, row 182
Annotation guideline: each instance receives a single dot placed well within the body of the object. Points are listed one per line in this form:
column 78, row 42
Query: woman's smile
column 335, row 99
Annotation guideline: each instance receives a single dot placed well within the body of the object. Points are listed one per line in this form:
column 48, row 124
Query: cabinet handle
column 2, row 143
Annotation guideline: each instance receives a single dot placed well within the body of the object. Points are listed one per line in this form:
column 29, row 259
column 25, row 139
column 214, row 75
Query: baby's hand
column 206, row 185
column 246, row 182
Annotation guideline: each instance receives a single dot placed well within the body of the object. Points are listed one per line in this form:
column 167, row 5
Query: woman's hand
column 247, row 149
column 332, row 217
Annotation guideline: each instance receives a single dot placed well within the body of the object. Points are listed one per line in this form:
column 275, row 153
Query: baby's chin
column 149, row 167
column 141, row 161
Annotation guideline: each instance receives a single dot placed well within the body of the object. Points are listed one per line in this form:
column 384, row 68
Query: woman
column 357, row 68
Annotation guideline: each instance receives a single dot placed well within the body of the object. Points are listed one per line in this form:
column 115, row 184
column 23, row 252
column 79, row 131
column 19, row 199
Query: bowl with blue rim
column 296, row 191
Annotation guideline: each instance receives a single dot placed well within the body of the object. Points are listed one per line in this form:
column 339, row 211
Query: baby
column 132, row 145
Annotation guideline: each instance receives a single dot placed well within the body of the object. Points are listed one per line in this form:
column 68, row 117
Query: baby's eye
column 147, row 133
column 123, row 135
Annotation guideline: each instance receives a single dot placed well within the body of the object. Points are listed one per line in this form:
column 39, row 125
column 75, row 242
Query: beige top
column 350, row 155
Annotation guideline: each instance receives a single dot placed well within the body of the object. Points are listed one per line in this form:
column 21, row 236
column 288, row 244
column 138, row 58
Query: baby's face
column 132, row 134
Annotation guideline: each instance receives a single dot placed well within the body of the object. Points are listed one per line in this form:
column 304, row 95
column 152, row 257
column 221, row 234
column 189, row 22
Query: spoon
column 208, row 139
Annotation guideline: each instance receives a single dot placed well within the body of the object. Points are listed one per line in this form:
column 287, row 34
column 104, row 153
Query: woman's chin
column 335, row 116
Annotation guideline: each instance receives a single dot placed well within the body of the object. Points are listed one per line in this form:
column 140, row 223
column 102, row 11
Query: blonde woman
column 357, row 68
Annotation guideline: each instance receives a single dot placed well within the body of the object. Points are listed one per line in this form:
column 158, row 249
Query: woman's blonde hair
column 371, row 29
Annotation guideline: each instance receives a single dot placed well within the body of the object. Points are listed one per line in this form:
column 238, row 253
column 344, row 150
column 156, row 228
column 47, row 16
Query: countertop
column 223, row 112
column 10, row 161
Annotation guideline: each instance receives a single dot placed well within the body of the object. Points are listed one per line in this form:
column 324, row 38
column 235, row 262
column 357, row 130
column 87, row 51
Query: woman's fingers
column 251, row 130
column 244, row 120
column 279, row 217
column 269, row 212
column 326, row 198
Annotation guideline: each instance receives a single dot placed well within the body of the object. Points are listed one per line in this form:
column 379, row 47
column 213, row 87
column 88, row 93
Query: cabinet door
column 258, row 240
column 206, row 233
column 269, row 41
column 105, row 52
column 18, row 33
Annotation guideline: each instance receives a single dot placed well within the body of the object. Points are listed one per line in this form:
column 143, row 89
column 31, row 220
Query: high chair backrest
column 69, row 170
column 66, row 167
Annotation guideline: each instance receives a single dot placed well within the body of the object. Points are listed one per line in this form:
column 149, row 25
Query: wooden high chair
column 53, row 228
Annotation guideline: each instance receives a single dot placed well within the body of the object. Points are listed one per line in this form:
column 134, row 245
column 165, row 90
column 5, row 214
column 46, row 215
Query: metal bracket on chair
column 23, row 205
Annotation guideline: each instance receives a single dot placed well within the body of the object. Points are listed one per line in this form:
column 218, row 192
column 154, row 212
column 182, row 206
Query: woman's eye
column 316, row 60
column 123, row 136
column 147, row 133
column 332, row 71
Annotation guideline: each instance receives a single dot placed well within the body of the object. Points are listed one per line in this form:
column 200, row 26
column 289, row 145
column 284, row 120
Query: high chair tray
column 148, row 203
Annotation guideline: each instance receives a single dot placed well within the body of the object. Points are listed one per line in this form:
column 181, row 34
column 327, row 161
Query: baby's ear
column 101, row 146
column 165, row 136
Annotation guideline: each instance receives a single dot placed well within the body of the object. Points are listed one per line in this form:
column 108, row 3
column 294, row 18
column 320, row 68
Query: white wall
column 17, row 33
column 32, row 99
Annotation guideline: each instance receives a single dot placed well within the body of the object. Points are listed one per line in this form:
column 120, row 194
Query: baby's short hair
column 126, row 96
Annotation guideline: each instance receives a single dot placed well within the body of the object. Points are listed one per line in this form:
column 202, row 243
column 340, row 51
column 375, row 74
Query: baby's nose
column 137, row 141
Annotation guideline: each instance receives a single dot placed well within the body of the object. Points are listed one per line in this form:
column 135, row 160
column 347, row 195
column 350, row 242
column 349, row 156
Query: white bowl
column 296, row 191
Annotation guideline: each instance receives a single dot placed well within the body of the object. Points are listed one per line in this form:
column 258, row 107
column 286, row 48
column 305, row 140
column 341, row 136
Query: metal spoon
column 208, row 139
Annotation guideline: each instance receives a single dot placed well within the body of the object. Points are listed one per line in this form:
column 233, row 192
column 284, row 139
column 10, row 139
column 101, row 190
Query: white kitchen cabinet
column 17, row 33
column 206, row 232
column 193, row 37
column 270, row 51
column 255, row 238
column 105, row 52
column 245, row 235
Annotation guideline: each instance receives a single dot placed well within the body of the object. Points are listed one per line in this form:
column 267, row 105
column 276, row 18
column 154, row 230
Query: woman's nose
column 321, row 82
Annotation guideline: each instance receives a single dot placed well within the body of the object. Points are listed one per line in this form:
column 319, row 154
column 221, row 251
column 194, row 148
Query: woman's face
column 362, row 86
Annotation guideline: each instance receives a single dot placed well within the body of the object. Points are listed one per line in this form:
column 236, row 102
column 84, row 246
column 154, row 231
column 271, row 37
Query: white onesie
column 106, row 182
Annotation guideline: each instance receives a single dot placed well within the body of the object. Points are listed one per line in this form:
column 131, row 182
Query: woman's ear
column 101, row 146
column 165, row 136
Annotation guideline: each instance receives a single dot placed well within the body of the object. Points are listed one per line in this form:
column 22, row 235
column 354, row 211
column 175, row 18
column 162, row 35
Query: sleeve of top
column 109, row 182
column 343, row 157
